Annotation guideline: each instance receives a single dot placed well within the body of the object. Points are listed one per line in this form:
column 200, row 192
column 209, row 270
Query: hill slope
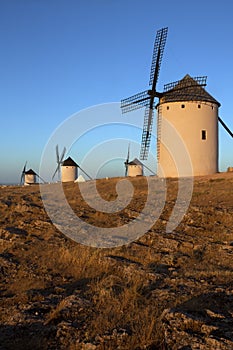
column 162, row 291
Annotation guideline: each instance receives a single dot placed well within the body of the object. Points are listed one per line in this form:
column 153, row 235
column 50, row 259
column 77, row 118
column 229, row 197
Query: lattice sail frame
column 135, row 102
column 147, row 130
column 201, row 81
column 147, row 97
column 159, row 45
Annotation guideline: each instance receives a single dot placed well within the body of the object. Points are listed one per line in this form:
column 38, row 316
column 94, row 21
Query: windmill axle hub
column 154, row 93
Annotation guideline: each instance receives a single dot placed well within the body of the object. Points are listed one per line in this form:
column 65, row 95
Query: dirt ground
column 161, row 290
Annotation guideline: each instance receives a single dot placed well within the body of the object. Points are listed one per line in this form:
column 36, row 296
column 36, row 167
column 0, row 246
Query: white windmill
column 29, row 177
column 135, row 167
column 188, row 108
column 69, row 171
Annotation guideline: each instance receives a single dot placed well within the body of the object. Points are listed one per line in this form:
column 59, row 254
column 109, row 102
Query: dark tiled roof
column 69, row 162
column 30, row 172
column 187, row 89
column 135, row 162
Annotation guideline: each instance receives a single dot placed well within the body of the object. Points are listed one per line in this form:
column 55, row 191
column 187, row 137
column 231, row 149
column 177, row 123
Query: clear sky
column 59, row 57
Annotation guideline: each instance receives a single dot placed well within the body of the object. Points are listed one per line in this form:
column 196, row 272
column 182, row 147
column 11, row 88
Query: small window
column 167, row 107
column 198, row 106
column 182, row 106
column 203, row 134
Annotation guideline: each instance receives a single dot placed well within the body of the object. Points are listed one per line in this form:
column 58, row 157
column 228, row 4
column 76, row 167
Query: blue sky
column 59, row 57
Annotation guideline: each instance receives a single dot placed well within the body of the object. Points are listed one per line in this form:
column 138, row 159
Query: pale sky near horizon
column 60, row 57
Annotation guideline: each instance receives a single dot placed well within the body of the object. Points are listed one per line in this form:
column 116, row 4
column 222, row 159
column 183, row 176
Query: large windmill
column 185, row 90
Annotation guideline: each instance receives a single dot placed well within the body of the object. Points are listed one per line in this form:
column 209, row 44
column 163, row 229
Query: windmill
column 187, row 89
column 134, row 167
column 28, row 177
column 59, row 159
column 69, row 170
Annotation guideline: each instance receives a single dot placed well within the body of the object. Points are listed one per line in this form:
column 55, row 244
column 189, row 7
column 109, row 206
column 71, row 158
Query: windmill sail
column 127, row 161
column 225, row 127
column 147, row 98
column 39, row 177
column 59, row 159
column 23, row 174
column 85, row 173
column 159, row 45
column 135, row 102
column 146, row 134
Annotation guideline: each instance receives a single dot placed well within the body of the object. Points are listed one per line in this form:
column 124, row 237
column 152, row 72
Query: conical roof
column 30, row 172
column 135, row 162
column 187, row 89
column 69, row 162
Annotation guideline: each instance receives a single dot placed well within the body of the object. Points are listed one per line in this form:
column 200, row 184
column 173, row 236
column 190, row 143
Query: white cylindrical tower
column 135, row 168
column 193, row 113
column 69, row 170
column 29, row 177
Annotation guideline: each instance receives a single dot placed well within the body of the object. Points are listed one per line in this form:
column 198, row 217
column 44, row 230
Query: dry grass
column 110, row 298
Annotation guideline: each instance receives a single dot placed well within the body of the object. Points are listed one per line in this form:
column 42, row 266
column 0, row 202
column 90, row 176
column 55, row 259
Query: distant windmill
column 188, row 107
column 69, row 170
column 59, row 159
column 28, row 177
column 134, row 167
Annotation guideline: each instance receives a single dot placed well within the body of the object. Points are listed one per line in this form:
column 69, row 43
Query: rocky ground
column 164, row 290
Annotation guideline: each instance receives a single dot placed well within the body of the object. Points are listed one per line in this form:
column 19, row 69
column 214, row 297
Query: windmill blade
column 59, row 159
column 149, row 169
column 23, row 173
column 146, row 134
column 134, row 102
column 62, row 155
column 159, row 45
column 24, row 168
column 225, row 127
column 57, row 153
column 85, row 172
column 127, row 161
column 40, row 177
column 22, row 178
column 57, row 170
